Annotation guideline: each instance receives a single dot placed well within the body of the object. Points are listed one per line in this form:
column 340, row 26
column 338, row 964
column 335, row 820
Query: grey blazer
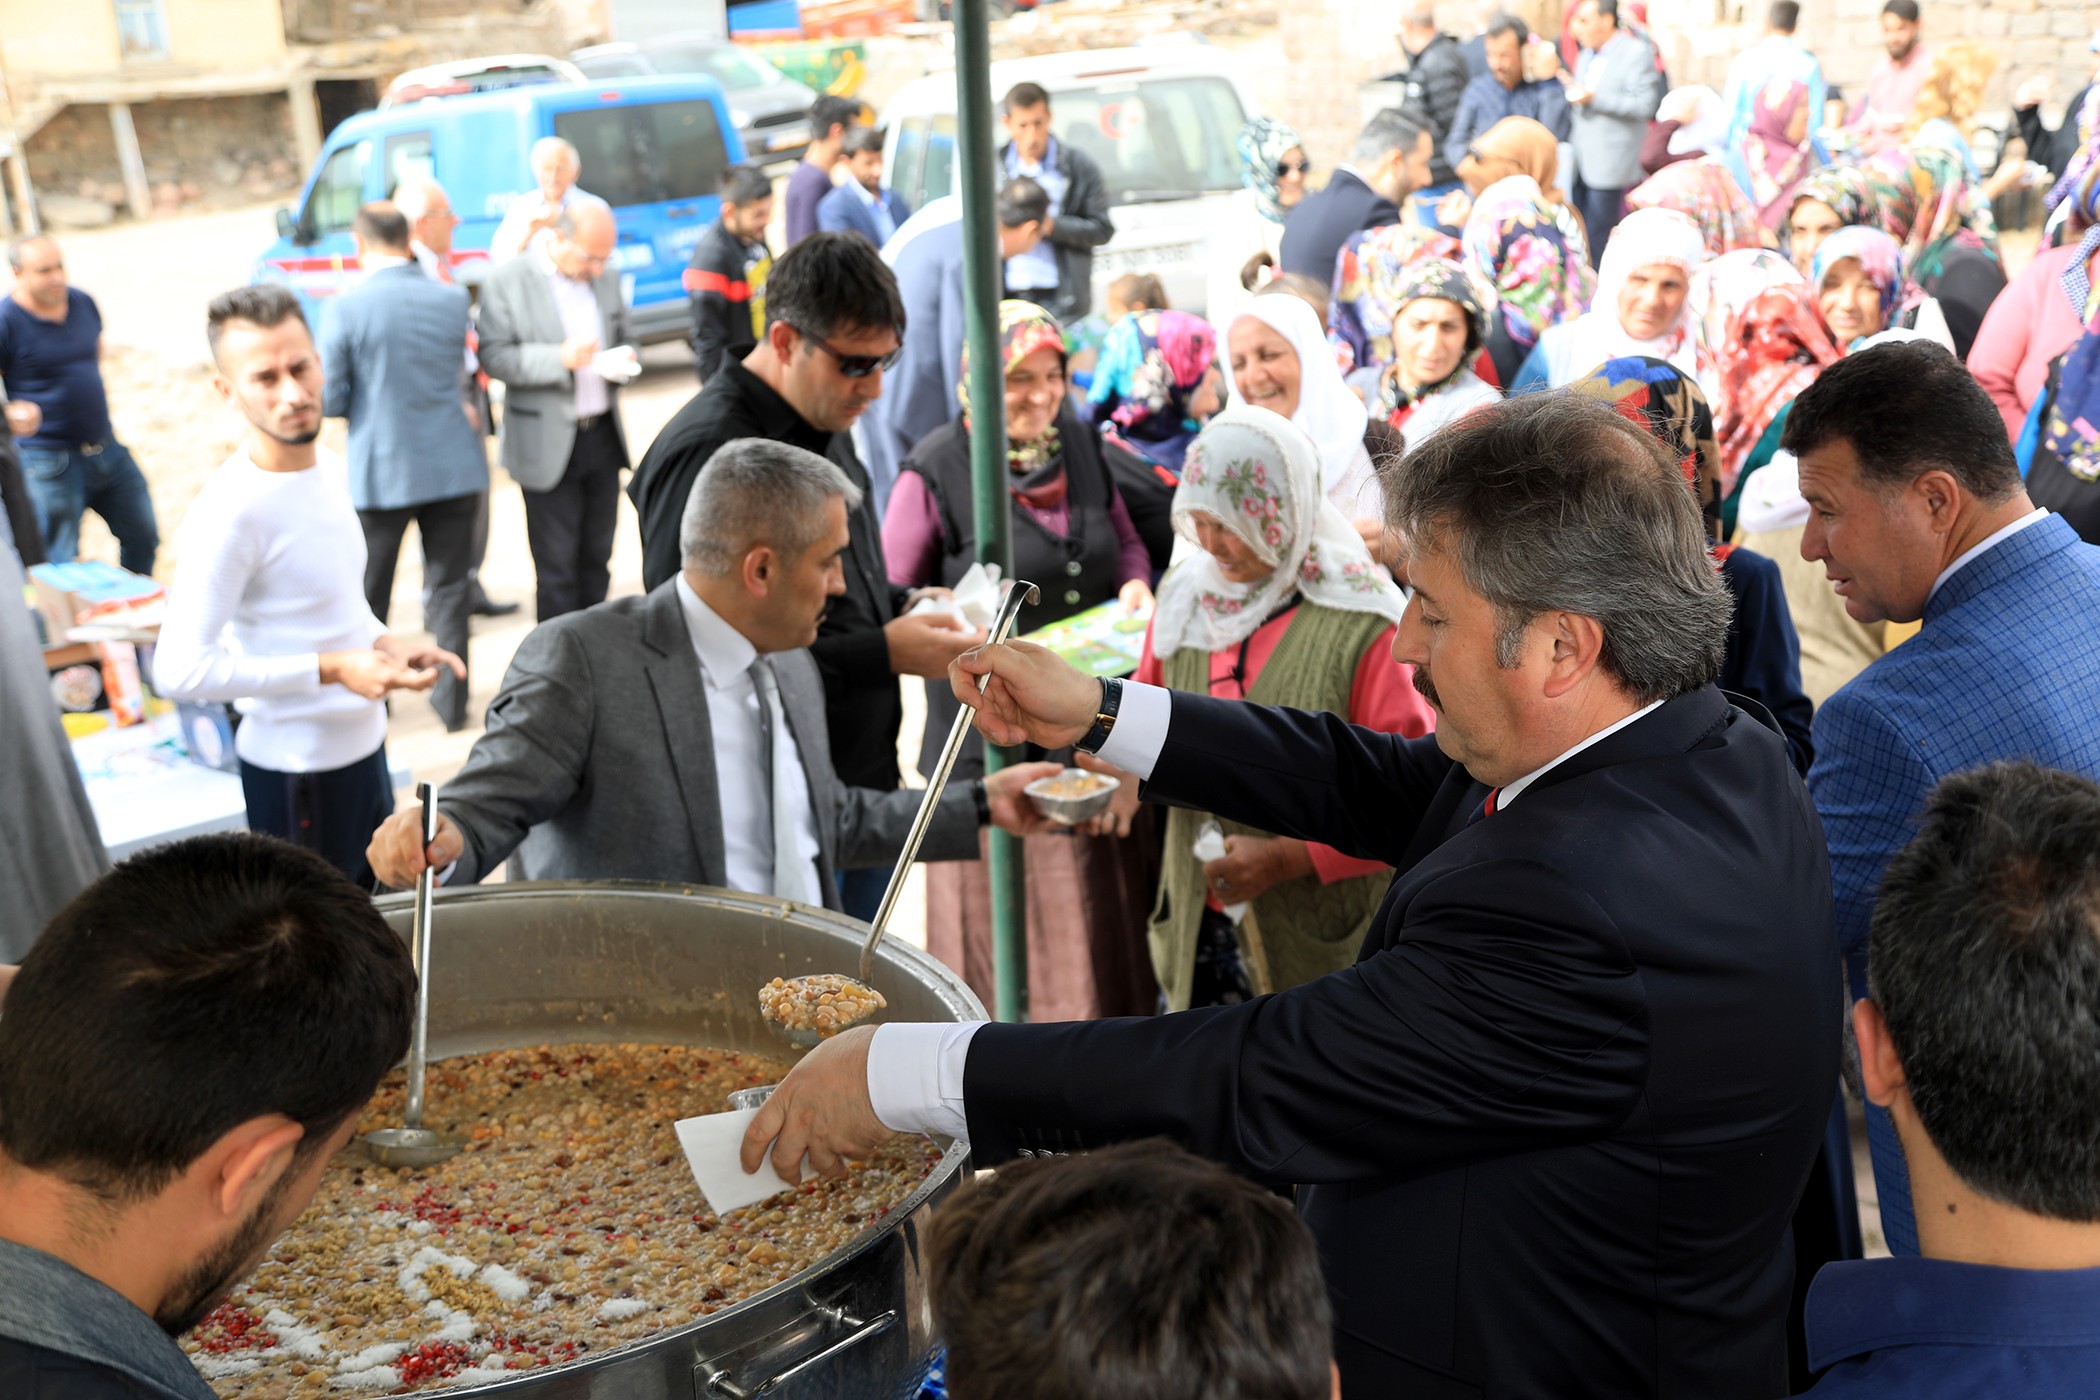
column 521, row 338
column 598, row 763
column 1608, row 130
column 395, row 353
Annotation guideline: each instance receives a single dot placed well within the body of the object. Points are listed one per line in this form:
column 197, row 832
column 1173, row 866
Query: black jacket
column 1549, row 1130
column 15, row 501
column 1082, row 224
column 863, row 707
column 2052, row 148
column 1315, row 231
column 1436, row 79
column 724, row 278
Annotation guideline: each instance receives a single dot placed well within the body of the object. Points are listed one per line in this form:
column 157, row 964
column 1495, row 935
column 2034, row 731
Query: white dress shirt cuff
column 1141, row 728
column 915, row 1077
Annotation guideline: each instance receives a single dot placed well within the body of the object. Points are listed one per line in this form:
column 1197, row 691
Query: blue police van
column 653, row 148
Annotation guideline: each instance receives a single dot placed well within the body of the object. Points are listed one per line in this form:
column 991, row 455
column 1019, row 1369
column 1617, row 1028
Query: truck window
column 939, row 175
column 650, row 153
column 338, row 191
column 407, row 158
column 1166, row 138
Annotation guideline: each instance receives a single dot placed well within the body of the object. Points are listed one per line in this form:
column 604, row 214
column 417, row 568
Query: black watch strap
column 1104, row 718
column 982, row 796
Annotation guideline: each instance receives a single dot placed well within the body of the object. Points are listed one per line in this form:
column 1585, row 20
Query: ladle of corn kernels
column 804, row 1011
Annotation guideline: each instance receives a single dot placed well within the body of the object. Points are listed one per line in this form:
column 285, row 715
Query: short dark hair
column 830, row 110
column 745, row 183
column 192, row 988
column 1509, row 24
column 1609, row 9
column 1905, row 10
column 1021, row 96
column 833, row 282
column 1390, row 130
column 1785, row 15
column 1134, row 1270
column 1022, row 201
column 1908, row 408
column 265, row 304
column 1984, row 959
column 863, row 139
column 381, row 225
column 1551, row 502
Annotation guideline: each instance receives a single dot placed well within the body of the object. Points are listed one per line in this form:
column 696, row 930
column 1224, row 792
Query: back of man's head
column 381, row 227
column 191, row 989
column 1391, row 130
column 1785, row 15
column 1984, row 962
column 832, row 284
column 1137, row 1271
column 1022, row 201
column 755, row 492
column 1549, row 503
column 1906, row 409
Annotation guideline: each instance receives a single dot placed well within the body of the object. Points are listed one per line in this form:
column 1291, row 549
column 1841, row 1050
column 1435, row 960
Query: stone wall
column 203, row 152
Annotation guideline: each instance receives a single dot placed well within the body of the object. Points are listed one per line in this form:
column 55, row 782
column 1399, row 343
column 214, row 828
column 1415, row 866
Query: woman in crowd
column 1775, row 155
column 1280, row 605
column 1372, row 267
column 1281, row 361
column 1954, row 88
column 1689, row 124
column 1931, row 202
column 1643, row 284
column 1862, row 290
column 1704, row 189
column 1523, row 238
column 1273, row 167
column 2040, row 314
column 1072, row 535
column 1763, row 656
column 1835, row 197
column 1440, row 322
column 1156, row 382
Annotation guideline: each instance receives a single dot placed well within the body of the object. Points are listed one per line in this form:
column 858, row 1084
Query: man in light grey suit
column 680, row 735
column 1616, row 90
column 545, row 315
column 394, row 350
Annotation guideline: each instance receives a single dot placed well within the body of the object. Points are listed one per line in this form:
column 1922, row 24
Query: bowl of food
column 1073, row 796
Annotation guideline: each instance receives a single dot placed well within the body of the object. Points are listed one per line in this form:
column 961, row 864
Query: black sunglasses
column 1287, row 168
column 852, row 366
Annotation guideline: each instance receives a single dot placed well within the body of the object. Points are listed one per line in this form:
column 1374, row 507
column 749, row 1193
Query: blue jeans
column 64, row 482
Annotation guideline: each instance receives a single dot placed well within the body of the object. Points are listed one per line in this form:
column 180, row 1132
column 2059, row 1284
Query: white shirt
column 915, row 1070
column 1990, row 541
column 270, row 574
column 577, row 304
column 743, row 782
column 509, row 239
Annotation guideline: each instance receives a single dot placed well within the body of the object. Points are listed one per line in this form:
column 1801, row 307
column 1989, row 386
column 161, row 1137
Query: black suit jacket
column 1550, row 1128
column 1314, row 233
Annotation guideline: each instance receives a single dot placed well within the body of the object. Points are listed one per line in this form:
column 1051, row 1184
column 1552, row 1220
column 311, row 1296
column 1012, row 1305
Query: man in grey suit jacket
column 680, row 735
column 395, row 354
column 545, row 315
column 1616, row 90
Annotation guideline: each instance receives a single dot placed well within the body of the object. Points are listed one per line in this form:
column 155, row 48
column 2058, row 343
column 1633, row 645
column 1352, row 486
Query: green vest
column 1301, row 929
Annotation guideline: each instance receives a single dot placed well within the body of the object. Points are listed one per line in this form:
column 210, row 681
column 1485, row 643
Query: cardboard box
column 65, row 591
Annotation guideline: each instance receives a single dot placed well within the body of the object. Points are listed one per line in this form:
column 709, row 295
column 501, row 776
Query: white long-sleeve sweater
column 269, row 575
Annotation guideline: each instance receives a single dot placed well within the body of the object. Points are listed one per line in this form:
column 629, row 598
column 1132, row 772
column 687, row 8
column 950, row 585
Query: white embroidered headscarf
column 1257, row 475
column 1332, row 416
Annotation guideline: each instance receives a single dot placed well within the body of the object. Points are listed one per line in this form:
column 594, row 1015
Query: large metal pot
column 553, row 963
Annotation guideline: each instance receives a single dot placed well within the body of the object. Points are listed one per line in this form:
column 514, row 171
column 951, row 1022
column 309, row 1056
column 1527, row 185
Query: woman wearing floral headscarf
column 1370, row 270
column 1933, row 205
column 1073, row 536
column 1155, row 382
column 1280, row 605
column 1644, row 286
column 1827, row 200
column 1862, row 290
column 1523, row 239
column 1440, row 321
column 1703, row 189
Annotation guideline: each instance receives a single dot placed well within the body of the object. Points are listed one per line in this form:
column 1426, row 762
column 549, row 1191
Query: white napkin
column 1210, row 845
column 976, row 599
column 618, row 363
column 711, row 1144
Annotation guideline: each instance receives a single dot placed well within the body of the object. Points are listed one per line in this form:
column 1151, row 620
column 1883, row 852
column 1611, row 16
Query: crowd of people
column 1616, row 593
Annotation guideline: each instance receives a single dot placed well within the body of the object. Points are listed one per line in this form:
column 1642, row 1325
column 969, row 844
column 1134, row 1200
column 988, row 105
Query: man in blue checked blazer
column 1916, row 510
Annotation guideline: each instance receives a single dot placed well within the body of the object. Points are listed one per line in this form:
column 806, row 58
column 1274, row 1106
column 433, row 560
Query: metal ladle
column 414, row 1145
column 1018, row 594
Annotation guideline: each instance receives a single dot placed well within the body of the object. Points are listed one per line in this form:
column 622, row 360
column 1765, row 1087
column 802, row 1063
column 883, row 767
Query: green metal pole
column 983, row 280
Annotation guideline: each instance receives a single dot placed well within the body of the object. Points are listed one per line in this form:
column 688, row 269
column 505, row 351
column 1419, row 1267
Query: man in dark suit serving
column 1551, row 1126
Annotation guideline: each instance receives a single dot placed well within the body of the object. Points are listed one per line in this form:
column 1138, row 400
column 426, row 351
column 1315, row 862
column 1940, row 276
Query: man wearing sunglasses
column 834, row 322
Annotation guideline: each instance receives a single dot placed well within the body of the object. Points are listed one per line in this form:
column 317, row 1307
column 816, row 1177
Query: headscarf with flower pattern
column 1151, row 363
column 1706, row 191
column 1258, row 476
column 1929, row 203
column 1263, row 143
column 1024, row 328
column 1776, row 345
column 1532, row 252
column 1879, row 258
column 1664, row 400
column 1370, row 272
column 1847, row 190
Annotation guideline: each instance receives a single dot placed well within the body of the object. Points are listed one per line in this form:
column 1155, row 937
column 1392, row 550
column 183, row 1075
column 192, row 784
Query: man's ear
column 1880, row 1070
column 248, row 1159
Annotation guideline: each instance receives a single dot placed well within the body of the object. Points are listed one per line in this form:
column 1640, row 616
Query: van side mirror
column 287, row 226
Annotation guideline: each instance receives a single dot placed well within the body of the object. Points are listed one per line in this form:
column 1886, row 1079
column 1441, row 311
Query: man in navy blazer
column 1389, row 162
column 1549, row 1129
column 394, row 350
column 863, row 204
column 1916, row 512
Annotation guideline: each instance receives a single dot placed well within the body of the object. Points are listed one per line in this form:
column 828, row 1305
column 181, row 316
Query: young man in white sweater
column 268, row 605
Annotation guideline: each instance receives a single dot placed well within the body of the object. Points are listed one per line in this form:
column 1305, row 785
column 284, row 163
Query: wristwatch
column 982, row 796
column 1104, row 718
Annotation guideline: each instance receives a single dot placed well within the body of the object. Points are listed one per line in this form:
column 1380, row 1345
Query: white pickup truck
column 1161, row 122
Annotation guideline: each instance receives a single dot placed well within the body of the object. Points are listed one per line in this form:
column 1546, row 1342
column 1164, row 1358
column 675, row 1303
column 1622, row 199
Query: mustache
column 1424, row 686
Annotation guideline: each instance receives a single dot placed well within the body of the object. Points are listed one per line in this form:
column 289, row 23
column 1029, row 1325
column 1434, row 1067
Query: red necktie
column 1486, row 808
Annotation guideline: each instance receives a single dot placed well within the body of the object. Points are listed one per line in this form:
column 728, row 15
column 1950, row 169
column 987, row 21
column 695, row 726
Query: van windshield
column 1156, row 139
column 649, row 153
